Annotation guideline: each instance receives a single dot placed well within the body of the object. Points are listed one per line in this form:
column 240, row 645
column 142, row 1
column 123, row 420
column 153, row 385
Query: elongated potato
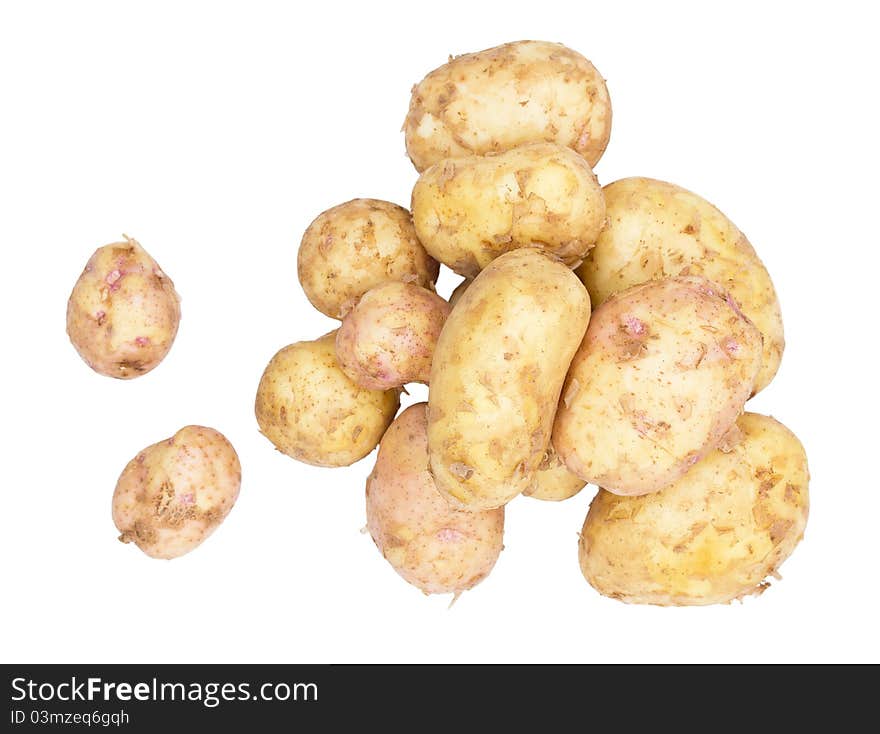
column 388, row 338
column 663, row 372
column 123, row 313
column 434, row 546
column 497, row 372
column 714, row 535
column 356, row 246
column 553, row 481
column 469, row 211
column 657, row 229
column 494, row 100
column 311, row 410
column 175, row 493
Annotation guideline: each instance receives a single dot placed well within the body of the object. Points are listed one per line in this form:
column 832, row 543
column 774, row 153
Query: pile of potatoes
column 600, row 335
column 606, row 335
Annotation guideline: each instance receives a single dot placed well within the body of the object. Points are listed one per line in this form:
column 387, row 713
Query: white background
column 214, row 133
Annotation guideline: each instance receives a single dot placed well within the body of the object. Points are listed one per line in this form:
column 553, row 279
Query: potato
column 439, row 549
column 388, row 338
column 656, row 229
column 713, row 535
column 494, row 100
column 175, row 493
column 123, row 313
column 552, row 480
column 459, row 290
column 469, row 211
column 498, row 369
column 356, row 246
column 663, row 372
column 310, row 409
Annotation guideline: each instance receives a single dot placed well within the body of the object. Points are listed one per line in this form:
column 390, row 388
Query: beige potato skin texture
column 388, row 339
column 663, row 372
column 714, row 535
column 432, row 545
column 312, row 411
column 498, row 368
column 497, row 99
column 175, row 493
column 356, row 246
column 123, row 312
column 459, row 290
column 553, row 482
column 469, row 211
column 657, row 229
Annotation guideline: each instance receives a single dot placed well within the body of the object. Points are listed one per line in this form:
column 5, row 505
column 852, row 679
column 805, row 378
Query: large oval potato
column 657, row 229
column 469, row 211
column 714, row 535
column 388, row 338
column 434, row 546
column 123, row 312
column 311, row 410
column 356, row 246
column 494, row 100
column 553, row 481
column 663, row 372
column 498, row 369
column 175, row 493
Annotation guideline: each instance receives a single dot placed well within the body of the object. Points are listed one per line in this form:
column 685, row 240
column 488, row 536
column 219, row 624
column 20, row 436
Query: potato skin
column 657, row 229
column 123, row 312
column 498, row 369
column 459, row 290
column 663, row 372
column 175, row 493
column 553, row 482
column 388, row 338
column 310, row 409
column 497, row 99
column 356, row 246
column 468, row 211
column 712, row 536
column 434, row 546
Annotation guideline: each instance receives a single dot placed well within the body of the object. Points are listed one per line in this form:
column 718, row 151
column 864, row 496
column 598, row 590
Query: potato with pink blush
column 388, row 338
column 123, row 313
column 175, row 493
column 432, row 545
column 662, row 374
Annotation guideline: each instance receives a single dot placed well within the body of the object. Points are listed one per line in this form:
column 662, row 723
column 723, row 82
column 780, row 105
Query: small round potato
column 657, row 229
column 311, row 410
column 388, row 338
column 553, row 481
column 439, row 549
column 494, row 100
column 123, row 313
column 356, row 246
column 498, row 369
column 175, row 493
column 468, row 211
column 663, row 372
column 714, row 535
